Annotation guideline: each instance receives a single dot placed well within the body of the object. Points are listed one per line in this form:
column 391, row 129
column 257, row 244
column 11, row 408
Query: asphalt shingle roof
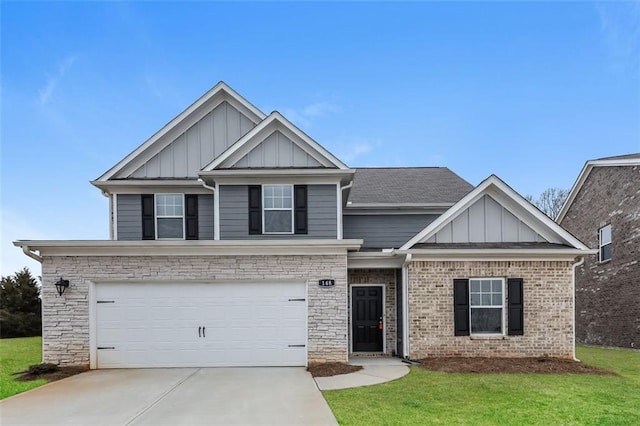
column 404, row 185
column 622, row 157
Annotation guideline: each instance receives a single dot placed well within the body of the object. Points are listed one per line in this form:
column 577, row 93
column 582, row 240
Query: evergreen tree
column 20, row 305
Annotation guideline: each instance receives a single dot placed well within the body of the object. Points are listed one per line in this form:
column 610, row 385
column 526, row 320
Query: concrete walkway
column 375, row 370
column 174, row 396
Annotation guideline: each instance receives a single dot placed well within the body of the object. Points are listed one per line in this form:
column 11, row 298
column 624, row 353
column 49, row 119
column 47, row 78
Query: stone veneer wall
column 65, row 326
column 548, row 309
column 388, row 278
column 608, row 293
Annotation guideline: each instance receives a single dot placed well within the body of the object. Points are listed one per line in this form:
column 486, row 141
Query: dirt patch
column 61, row 373
column 332, row 369
column 510, row 365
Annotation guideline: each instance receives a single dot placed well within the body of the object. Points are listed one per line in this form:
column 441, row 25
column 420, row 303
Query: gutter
column 573, row 288
column 216, row 208
column 31, row 253
column 405, row 306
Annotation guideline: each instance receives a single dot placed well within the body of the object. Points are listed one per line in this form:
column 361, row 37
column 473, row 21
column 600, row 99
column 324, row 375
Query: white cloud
column 46, row 93
column 305, row 116
column 355, row 148
column 620, row 29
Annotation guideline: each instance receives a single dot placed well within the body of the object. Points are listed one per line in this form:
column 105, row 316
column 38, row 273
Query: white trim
column 156, row 216
column 374, row 260
column 251, row 139
column 384, row 316
column 141, row 186
column 83, row 248
column 293, row 176
column 497, row 254
column 192, row 114
column 573, row 294
column 93, row 331
column 338, row 211
column 496, row 187
column 216, row 212
column 291, row 209
column 405, row 306
column 404, row 211
column 503, row 327
column 584, row 174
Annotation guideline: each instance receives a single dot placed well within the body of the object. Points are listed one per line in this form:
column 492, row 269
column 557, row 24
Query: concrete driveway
column 174, row 396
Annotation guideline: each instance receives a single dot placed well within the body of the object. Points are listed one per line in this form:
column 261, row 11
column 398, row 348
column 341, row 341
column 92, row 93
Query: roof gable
column 234, row 157
column 220, row 112
column 618, row 161
column 502, row 214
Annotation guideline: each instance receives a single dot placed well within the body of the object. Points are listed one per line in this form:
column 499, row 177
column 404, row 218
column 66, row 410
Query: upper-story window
column 278, row 209
column 604, row 241
column 170, row 216
column 486, row 305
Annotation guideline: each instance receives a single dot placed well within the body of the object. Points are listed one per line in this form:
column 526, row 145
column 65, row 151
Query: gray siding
column 277, row 150
column 129, row 210
column 385, row 231
column 486, row 221
column 205, row 217
column 129, row 213
column 199, row 145
column 234, row 222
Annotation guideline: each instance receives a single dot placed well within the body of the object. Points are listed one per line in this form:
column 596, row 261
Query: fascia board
column 142, row 186
column 188, row 248
column 219, row 90
column 299, row 176
column 498, row 254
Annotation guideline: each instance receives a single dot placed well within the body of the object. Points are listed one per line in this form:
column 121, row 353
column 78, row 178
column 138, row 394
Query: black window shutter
column 191, row 216
column 300, row 209
column 516, row 306
column 255, row 209
column 461, row 306
column 148, row 217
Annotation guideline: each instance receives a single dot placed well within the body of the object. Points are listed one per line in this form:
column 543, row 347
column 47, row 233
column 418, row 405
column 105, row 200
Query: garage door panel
column 156, row 325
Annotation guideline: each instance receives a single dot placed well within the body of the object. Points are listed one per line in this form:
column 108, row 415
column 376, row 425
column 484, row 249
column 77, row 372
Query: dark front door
column 367, row 326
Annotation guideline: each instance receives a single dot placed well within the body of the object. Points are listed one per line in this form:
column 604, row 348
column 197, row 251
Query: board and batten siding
column 129, row 217
column 277, row 150
column 199, row 145
column 486, row 221
column 234, row 213
column 387, row 230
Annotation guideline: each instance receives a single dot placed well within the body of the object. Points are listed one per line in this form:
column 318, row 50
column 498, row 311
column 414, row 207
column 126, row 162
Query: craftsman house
column 238, row 240
column 603, row 210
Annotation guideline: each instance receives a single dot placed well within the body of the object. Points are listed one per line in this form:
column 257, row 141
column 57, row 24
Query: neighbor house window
column 170, row 216
column 486, row 305
column 277, row 209
column 604, row 238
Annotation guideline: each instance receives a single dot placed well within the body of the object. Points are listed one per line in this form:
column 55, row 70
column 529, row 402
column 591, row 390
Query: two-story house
column 238, row 240
column 603, row 210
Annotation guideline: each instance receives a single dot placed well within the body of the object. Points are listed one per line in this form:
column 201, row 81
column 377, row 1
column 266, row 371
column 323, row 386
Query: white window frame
column 601, row 245
column 157, row 216
column 264, row 223
column 502, row 306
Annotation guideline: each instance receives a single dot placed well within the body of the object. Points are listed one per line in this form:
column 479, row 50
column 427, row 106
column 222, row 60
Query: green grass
column 425, row 397
column 17, row 355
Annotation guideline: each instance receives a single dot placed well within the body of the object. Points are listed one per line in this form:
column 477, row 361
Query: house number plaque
column 326, row 283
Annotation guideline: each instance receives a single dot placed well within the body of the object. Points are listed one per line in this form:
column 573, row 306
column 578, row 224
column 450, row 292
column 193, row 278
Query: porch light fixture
column 62, row 285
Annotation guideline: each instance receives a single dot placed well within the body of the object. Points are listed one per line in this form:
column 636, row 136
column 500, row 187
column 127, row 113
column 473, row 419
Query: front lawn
column 17, row 355
column 426, row 397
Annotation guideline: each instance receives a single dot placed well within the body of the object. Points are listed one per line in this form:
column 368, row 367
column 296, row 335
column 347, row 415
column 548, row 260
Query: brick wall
column 548, row 309
column 608, row 294
column 65, row 328
column 388, row 278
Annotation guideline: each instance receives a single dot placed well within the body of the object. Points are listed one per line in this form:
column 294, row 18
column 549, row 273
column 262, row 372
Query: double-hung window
column 277, row 209
column 604, row 242
column 486, row 305
column 170, row 216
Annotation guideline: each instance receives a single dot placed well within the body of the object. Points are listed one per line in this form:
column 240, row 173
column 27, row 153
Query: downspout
column 340, row 206
column 216, row 219
column 111, row 214
column 31, row 254
column 405, row 306
column 573, row 285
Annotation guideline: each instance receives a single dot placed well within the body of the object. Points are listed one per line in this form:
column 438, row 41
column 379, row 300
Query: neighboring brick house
column 238, row 240
column 603, row 210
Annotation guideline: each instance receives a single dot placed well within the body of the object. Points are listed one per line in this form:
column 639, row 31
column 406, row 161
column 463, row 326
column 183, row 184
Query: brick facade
column 66, row 319
column 548, row 309
column 608, row 294
column 388, row 278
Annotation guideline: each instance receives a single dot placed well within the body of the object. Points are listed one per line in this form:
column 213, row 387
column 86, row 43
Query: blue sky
column 528, row 91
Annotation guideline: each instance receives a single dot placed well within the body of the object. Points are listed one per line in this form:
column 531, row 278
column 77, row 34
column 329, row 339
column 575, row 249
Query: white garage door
column 200, row 325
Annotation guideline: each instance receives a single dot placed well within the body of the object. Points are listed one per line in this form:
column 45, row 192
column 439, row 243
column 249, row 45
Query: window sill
column 602, row 262
column 488, row 337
